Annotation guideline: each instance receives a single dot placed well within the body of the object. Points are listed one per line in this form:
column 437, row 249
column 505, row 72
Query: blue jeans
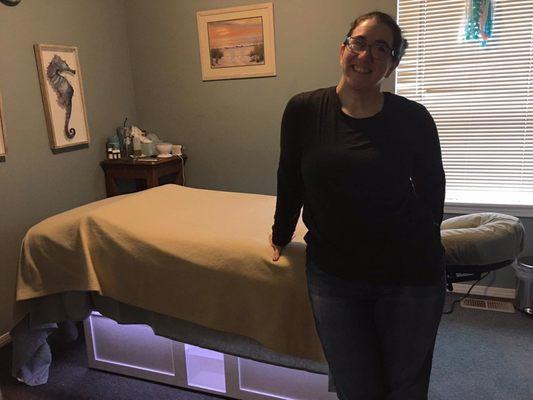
column 378, row 339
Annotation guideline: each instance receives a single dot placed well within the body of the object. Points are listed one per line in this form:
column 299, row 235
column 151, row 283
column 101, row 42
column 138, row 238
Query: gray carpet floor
column 479, row 354
column 482, row 355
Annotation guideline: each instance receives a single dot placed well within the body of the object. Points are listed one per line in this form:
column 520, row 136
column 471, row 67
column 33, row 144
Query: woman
column 366, row 167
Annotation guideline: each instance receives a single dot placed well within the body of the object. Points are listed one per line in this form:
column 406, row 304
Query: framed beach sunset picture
column 237, row 42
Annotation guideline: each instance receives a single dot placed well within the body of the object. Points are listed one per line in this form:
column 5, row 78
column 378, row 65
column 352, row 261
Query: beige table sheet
column 198, row 255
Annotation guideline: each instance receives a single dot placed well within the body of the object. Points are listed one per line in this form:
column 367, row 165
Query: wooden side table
column 149, row 171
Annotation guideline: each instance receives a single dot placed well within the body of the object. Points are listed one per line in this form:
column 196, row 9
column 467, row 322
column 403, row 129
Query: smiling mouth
column 361, row 70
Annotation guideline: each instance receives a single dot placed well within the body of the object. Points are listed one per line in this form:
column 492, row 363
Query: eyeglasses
column 378, row 51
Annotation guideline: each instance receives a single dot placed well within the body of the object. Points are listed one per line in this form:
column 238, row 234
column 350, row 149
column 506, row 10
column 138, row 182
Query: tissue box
column 148, row 149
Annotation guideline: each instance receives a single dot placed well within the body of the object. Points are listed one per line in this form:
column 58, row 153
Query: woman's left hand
column 277, row 249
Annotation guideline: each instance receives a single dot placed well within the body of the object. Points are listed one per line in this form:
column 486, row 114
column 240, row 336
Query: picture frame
column 3, row 142
column 237, row 42
column 61, row 84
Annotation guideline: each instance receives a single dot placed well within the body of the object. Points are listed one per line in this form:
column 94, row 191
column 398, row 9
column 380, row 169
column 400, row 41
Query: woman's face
column 360, row 70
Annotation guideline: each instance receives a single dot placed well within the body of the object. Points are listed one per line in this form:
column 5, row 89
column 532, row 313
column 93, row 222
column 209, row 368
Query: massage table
column 188, row 274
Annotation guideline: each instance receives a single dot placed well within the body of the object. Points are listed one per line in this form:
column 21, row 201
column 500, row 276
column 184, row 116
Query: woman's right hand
column 277, row 249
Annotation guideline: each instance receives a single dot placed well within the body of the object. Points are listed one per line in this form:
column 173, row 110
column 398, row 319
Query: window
column 480, row 97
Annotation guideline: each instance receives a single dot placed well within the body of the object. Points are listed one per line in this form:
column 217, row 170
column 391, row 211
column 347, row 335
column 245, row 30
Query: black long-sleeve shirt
column 372, row 189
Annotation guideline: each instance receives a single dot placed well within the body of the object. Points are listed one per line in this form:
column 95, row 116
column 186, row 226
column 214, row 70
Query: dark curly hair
column 399, row 44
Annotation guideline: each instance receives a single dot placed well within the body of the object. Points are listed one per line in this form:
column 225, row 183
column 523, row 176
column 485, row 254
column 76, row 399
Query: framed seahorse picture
column 62, row 92
column 3, row 145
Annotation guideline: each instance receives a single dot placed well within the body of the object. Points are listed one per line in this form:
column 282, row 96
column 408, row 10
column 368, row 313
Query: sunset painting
column 236, row 43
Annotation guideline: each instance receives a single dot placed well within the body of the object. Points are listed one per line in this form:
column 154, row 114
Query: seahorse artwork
column 63, row 89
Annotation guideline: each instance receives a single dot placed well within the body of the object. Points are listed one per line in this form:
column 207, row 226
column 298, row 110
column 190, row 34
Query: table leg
column 152, row 180
column 111, row 187
column 179, row 175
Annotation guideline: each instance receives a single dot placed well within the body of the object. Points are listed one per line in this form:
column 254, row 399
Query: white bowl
column 163, row 148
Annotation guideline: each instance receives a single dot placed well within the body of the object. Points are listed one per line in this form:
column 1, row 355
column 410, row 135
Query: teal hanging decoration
column 479, row 15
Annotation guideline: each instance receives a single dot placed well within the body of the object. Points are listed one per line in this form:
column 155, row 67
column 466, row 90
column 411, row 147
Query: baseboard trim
column 487, row 291
column 5, row 339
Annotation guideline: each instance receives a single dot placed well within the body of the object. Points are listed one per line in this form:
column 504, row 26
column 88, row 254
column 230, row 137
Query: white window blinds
column 480, row 97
